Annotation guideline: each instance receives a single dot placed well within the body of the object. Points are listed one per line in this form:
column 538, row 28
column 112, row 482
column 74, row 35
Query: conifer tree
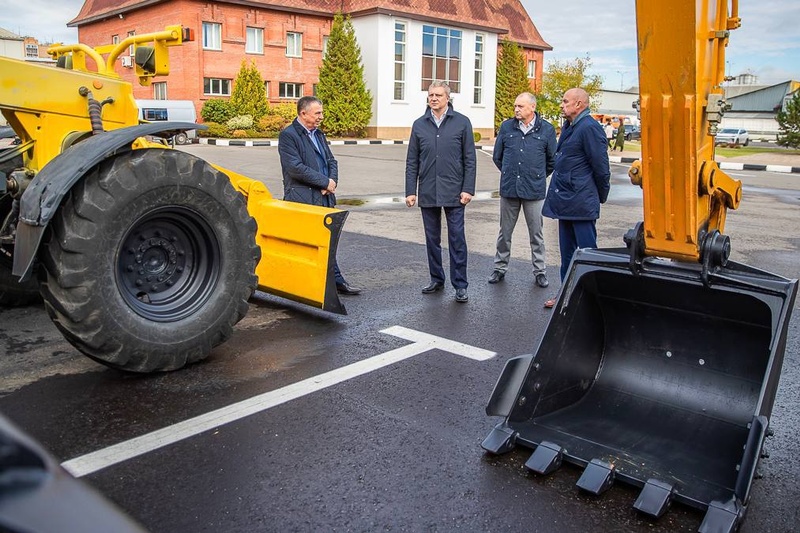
column 512, row 79
column 347, row 101
column 249, row 96
column 789, row 123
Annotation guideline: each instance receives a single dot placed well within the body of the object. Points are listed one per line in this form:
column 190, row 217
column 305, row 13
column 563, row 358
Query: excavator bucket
column 658, row 376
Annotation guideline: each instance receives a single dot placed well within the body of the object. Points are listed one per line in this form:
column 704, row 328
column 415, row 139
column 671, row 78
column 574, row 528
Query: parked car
column 632, row 133
column 7, row 137
column 732, row 137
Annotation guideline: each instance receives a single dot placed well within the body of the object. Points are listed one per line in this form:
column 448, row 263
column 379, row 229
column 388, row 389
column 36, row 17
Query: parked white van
column 172, row 110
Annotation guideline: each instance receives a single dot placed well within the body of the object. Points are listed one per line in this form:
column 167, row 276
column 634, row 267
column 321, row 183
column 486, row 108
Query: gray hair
column 305, row 102
column 442, row 84
column 530, row 96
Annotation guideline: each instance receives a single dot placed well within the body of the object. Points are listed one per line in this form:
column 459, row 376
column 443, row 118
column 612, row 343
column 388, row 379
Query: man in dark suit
column 440, row 175
column 310, row 172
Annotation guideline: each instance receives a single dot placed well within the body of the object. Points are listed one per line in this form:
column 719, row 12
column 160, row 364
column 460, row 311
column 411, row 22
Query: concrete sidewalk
column 766, row 161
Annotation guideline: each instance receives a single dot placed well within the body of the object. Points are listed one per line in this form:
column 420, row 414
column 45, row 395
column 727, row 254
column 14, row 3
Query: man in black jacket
column 440, row 174
column 310, row 172
column 524, row 152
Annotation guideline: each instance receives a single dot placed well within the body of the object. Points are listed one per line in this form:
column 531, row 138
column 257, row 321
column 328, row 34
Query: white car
column 732, row 137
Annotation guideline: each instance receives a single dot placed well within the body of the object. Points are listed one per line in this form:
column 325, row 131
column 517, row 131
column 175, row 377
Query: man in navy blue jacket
column 310, row 172
column 525, row 154
column 581, row 179
column 440, row 174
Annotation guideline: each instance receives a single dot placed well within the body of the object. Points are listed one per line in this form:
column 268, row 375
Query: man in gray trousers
column 525, row 154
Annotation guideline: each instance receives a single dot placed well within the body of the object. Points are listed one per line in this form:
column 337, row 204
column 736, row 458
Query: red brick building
column 286, row 40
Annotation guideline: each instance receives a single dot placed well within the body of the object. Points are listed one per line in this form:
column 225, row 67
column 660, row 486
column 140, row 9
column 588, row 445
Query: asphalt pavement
column 396, row 448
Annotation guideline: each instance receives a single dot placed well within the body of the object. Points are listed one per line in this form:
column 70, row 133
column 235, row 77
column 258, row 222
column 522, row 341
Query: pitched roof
column 507, row 17
column 9, row 35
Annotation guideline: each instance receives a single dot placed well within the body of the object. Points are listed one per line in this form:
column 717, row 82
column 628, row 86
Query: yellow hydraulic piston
column 681, row 69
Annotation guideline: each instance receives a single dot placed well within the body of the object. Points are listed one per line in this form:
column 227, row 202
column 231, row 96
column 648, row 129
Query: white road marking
column 420, row 343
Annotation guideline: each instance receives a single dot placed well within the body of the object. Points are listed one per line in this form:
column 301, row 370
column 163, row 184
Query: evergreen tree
column 789, row 122
column 512, row 80
column 344, row 94
column 558, row 78
column 249, row 95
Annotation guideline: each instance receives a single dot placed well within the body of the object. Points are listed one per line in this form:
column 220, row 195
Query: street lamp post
column 621, row 79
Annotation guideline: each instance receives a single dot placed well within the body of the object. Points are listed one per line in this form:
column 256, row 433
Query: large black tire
column 149, row 261
column 12, row 292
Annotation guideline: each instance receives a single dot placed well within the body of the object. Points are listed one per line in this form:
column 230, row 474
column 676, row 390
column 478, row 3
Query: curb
column 727, row 165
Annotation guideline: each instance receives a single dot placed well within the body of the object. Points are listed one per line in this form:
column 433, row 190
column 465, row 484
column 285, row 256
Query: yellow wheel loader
column 145, row 256
column 660, row 364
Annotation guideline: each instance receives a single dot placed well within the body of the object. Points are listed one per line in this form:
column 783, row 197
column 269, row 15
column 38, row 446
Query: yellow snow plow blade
column 298, row 246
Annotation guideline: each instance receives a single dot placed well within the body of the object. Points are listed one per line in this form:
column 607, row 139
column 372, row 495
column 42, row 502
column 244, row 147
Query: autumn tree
column 512, row 79
column 789, row 123
column 558, row 78
column 347, row 101
column 249, row 95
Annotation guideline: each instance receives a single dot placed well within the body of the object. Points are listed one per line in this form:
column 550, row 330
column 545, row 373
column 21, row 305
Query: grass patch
column 351, row 201
column 749, row 150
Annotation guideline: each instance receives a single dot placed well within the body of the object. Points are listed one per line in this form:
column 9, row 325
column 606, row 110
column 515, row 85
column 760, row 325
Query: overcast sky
column 767, row 44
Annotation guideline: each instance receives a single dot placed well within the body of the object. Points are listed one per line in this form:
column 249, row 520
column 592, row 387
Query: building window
column 31, row 50
column 294, row 44
column 255, row 41
column 532, row 68
column 290, row 90
column 325, row 45
column 478, row 96
column 399, row 60
column 160, row 90
column 266, row 88
column 115, row 39
column 216, row 87
column 212, row 36
column 131, row 47
column 441, row 56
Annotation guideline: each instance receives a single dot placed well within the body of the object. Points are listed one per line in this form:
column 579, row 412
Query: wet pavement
column 397, row 448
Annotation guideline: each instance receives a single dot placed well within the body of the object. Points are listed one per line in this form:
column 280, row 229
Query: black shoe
column 433, row 287
column 497, row 276
column 461, row 295
column 345, row 288
column 541, row 280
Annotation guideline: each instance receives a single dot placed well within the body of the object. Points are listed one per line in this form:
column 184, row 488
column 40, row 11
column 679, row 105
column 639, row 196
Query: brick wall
column 190, row 63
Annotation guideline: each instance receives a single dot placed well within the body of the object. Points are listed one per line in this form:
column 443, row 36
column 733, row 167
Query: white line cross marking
column 420, row 343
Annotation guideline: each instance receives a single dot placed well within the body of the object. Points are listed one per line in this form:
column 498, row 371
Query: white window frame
column 115, row 39
column 294, row 44
column 325, row 39
column 400, row 45
column 217, row 86
column 480, row 45
column 255, row 41
column 531, row 68
column 31, row 50
column 446, row 48
column 212, row 36
column 284, row 92
column 159, row 90
column 131, row 48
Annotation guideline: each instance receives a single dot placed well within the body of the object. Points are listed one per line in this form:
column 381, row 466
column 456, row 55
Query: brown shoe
column 550, row 303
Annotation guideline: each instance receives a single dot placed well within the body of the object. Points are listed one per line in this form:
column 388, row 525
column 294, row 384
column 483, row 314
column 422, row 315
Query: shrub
column 240, row 122
column 217, row 110
column 214, row 130
column 477, row 136
column 285, row 110
column 239, row 134
column 271, row 124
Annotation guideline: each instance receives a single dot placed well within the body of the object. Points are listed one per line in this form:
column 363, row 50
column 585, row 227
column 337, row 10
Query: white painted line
column 731, row 166
column 421, row 342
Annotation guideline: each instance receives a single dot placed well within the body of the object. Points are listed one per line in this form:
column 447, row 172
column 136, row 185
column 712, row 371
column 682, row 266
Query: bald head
column 574, row 102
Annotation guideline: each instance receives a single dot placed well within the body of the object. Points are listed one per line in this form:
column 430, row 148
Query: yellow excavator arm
column 681, row 70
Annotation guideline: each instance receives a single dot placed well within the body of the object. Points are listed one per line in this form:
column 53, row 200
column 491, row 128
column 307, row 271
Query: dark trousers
column 457, row 243
column 574, row 234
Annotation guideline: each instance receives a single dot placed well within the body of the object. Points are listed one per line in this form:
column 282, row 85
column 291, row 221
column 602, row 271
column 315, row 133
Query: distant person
column 581, row 179
column 310, row 172
column 609, row 129
column 440, row 175
column 620, row 141
column 524, row 152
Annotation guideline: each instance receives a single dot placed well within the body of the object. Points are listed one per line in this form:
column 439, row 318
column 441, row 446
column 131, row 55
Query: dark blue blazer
column 303, row 179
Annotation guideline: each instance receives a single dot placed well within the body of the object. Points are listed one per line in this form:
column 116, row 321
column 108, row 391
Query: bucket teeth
column 722, row 517
column 546, row 458
column 501, row 440
column 597, row 478
column 655, row 498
